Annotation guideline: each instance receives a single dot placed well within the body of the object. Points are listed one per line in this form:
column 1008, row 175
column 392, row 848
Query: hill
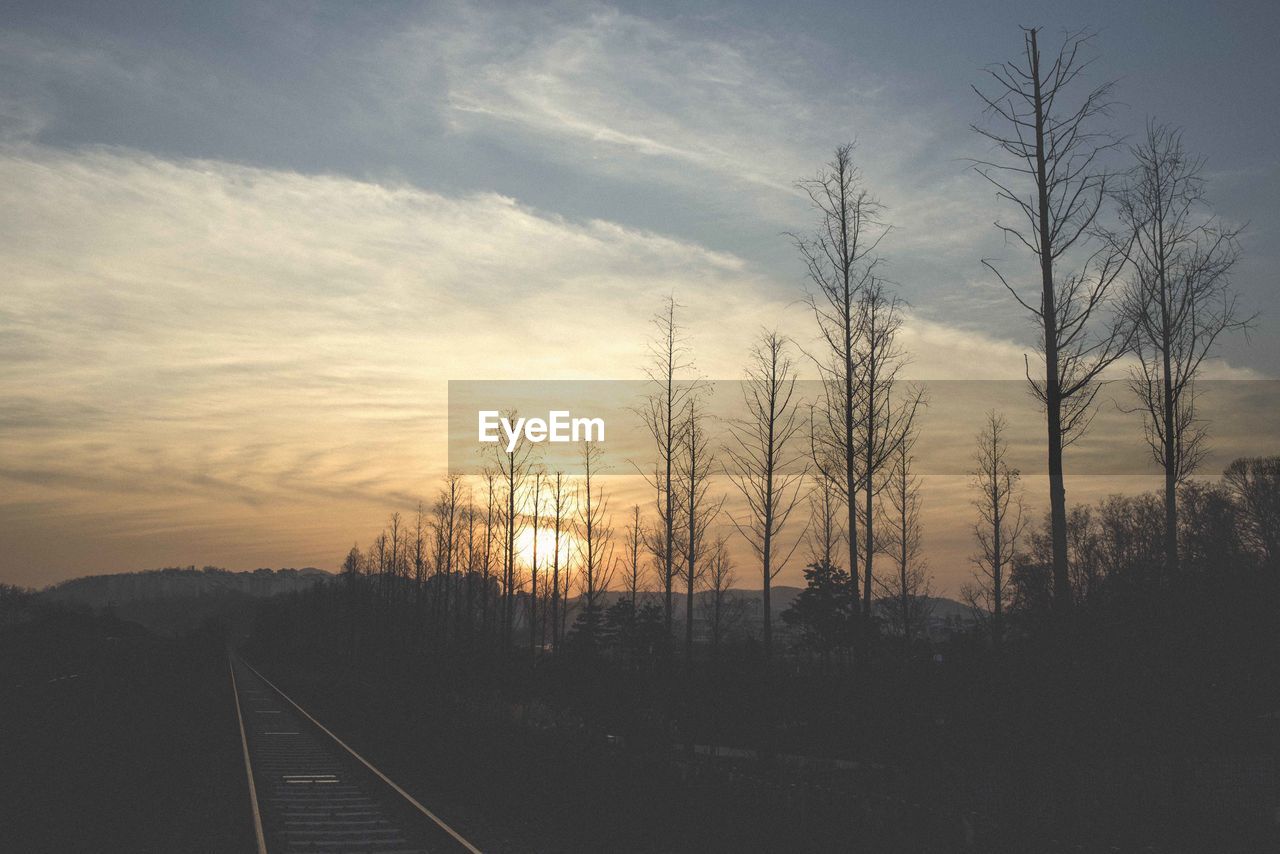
column 97, row 591
column 177, row 599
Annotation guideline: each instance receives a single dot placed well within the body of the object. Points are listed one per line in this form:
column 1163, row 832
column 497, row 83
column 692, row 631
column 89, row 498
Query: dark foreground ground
column 115, row 740
column 511, row 783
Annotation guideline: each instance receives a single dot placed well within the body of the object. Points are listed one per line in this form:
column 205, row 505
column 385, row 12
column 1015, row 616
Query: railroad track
column 310, row 792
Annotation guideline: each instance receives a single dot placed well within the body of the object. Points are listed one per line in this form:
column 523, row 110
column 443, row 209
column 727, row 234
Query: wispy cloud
column 209, row 330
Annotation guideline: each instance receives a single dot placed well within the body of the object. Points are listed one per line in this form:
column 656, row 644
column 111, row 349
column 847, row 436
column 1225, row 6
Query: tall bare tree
column 905, row 592
column 634, row 568
column 1178, row 300
column 470, row 555
column 538, row 478
column 420, row 564
column 1052, row 174
column 445, row 518
column 513, row 470
column 663, row 412
column 560, row 517
column 840, row 259
column 492, row 513
column 720, row 611
column 999, row 527
column 885, row 421
column 390, row 561
column 700, row 507
column 595, row 536
column 824, row 533
column 764, row 462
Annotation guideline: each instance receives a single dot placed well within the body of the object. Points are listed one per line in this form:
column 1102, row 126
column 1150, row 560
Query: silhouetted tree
column 999, row 527
column 492, row 514
column 824, row 533
column 823, row 611
column 634, row 568
column 720, row 612
column 533, row 561
column 696, row 465
column 1255, row 483
column 1211, row 528
column 595, row 535
column 470, row 556
column 904, row 593
column 764, row 462
column 513, row 471
column 620, row 626
column 884, row 422
column 418, row 548
column 444, row 524
column 1178, row 301
column 840, row 259
column 1084, row 554
column 663, row 412
column 560, row 517
column 1131, row 542
column 1053, row 177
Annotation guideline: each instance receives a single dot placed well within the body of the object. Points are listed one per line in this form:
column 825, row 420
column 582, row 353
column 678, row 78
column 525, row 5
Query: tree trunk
column 1053, row 391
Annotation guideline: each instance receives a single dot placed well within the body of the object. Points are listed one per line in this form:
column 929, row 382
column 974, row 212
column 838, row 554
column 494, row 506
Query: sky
column 245, row 246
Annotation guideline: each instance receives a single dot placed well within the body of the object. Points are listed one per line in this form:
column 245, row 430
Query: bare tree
column 513, row 470
column 1000, row 524
column 445, row 518
column 1178, row 301
column 884, row 424
column 571, row 574
column 904, row 593
column 595, row 535
column 720, row 612
column 1255, row 484
column 559, row 515
column 470, row 554
column 824, row 533
column 419, row 556
column 491, row 518
column 390, row 560
column 700, row 508
column 538, row 477
column 352, row 567
column 840, row 260
column 763, row 462
column 634, row 544
column 1053, row 177
column 662, row 412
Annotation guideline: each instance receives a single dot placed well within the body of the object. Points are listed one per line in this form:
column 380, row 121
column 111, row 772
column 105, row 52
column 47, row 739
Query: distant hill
column 178, row 582
column 178, row 599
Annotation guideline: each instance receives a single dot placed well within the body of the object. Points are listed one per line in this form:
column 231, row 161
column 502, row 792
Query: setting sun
column 546, row 542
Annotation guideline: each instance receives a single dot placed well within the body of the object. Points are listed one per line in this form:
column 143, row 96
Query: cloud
column 208, row 331
column 613, row 93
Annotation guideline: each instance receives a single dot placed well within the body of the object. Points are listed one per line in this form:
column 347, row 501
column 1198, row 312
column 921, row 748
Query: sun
column 546, row 541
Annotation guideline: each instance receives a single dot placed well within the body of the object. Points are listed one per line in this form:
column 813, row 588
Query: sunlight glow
column 546, row 540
